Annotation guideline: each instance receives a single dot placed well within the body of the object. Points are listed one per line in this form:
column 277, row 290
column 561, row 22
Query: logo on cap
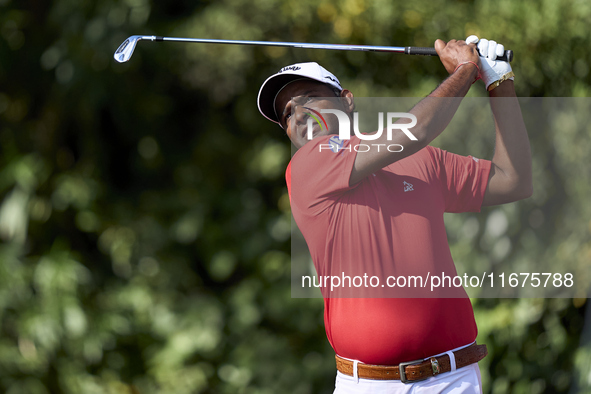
column 292, row 68
column 333, row 79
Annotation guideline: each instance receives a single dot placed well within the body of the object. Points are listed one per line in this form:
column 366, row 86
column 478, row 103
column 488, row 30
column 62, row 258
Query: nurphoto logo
column 345, row 129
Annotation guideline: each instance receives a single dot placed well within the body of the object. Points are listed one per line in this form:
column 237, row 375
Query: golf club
column 125, row 50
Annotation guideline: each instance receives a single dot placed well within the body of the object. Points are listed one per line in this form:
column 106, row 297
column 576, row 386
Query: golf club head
column 125, row 50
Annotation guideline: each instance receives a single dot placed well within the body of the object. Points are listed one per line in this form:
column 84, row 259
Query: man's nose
column 300, row 115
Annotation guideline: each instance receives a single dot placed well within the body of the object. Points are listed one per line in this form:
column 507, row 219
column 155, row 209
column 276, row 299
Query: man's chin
column 319, row 133
column 315, row 134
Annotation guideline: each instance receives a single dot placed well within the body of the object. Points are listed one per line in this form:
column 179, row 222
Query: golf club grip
column 507, row 57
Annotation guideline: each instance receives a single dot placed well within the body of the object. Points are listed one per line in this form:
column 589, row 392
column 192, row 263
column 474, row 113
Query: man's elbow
column 523, row 190
column 528, row 192
column 517, row 188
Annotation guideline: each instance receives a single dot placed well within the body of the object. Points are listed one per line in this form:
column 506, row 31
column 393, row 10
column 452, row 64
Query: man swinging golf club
column 383, row 210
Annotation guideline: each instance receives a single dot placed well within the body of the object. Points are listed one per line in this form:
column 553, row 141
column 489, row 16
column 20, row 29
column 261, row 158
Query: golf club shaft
column 508, row 56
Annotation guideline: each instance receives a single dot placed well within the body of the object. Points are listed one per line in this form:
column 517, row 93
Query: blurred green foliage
column 144, row 219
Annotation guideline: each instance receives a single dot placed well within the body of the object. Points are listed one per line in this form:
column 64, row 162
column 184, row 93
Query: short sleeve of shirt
column 317, row 175
column 463, row 179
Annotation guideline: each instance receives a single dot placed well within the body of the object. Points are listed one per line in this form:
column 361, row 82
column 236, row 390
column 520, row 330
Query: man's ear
column 348, row 101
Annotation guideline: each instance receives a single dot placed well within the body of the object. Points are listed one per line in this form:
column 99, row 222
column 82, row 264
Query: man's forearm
column 436, row 111
column 458, row 83
column 433, row 114
column 512, row 157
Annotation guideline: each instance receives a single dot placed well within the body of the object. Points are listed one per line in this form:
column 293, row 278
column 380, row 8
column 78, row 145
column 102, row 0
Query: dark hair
column 336, row 91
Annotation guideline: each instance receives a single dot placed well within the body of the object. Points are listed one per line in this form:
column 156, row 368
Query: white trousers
column 465, row 380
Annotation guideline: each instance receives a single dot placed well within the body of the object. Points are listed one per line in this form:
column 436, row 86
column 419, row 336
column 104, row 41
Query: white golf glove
column 493, row 71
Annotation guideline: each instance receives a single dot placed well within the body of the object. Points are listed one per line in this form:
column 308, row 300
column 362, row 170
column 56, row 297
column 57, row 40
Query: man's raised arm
column 433, row 113
column 510, row 176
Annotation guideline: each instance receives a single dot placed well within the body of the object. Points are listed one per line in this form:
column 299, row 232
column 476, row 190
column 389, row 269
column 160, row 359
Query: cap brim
column 269, row 90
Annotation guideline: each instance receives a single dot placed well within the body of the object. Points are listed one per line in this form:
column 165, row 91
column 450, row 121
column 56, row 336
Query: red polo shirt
column 389, row 224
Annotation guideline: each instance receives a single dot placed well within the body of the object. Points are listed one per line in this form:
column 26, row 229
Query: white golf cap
column 273, row 85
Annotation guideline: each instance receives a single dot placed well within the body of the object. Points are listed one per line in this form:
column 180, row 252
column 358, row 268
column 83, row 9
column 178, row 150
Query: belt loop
column 355, row 374
column 452, row 360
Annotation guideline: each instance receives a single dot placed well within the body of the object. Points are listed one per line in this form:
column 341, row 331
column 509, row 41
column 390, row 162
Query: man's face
column 305, row 93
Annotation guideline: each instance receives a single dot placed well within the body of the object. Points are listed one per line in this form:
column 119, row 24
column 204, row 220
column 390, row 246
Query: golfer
column 381, row 210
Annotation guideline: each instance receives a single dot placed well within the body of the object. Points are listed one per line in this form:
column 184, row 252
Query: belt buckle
column 402, row 373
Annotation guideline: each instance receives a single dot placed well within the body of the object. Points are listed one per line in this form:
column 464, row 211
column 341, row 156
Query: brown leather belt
column 414, row 371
